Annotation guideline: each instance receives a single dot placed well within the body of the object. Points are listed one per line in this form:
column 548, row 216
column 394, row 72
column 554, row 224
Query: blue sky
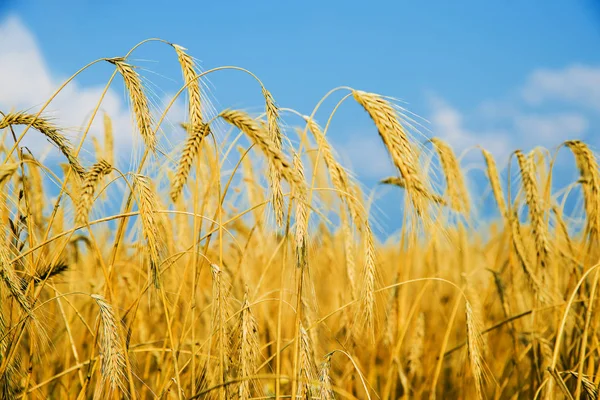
column 504, row 74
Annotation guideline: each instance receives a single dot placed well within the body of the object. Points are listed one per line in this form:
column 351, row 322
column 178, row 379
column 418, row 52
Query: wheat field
column 242, row 263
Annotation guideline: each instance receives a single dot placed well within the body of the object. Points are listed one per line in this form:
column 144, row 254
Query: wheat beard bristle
column 50, row 131
column 139, row 101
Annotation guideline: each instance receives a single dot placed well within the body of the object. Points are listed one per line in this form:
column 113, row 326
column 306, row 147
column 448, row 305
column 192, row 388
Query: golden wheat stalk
column 367, row 293
column 536, row 214
column 475, row 348
column 109, row 142
column 590, row 182
column 148, row 204
column 139, row 101
column 396, row 139
column 246, row 349
column 340, row 178
column 254, row 131
column 220, row 316
column 307, row 367
column 455, row 184
column 51, row 132
column 401, row 183
column 195, row 135
column 325, row 386
column 274, row 174
column 113, row 365
column 537, row 287
column 494, row 178
column 301, row 220
column 88, row 188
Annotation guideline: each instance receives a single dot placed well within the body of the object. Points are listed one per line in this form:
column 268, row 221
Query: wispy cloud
column 528, row 119
column 578, row 84
column 27, row 83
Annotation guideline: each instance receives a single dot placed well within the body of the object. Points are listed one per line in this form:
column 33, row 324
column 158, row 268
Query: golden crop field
column 242, row 263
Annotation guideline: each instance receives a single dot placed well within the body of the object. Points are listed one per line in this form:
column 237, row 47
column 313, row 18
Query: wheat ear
column 51, row 132
column 455, row 184
column 109, row 141
column 148, row 204
column 307, row 367
column 139, row 101
column 88, row 187
column 113, row 355
column 274, row 174
column 196, row 129
column 325, row 387
column 247, row 349
column 494, row 178
column 590, row 182
column 195, row 135
column 536, row 213
column 254, row 131
column 475, row 348
column 396, row 139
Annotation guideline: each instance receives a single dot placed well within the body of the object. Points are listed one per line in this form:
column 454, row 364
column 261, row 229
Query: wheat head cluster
column 242, row 261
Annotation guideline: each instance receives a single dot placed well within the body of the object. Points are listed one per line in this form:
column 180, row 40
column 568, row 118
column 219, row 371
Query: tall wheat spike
column 396, row 139
column 113, row 354
column 494, row 178
column 109, row 140
column 325, row 387
column 148, row 204
column 139, row 101
column 307, row 367
column 301, row 220
column 274, row 174
column 246, row 349
column 252, row 128
column 196, row 128
column 340, row 178
column 51, row 132
column 88, row 188
column 455, row 184
column 369, row 276
column 590, row 182
column 474, row 347
column 190, row 150
column 536, row 214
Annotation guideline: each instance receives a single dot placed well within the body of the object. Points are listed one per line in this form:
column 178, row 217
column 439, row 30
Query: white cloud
column 579, row 84
column 502, row 126
column 448, row 123
column 554, row 128
column 27, row 83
